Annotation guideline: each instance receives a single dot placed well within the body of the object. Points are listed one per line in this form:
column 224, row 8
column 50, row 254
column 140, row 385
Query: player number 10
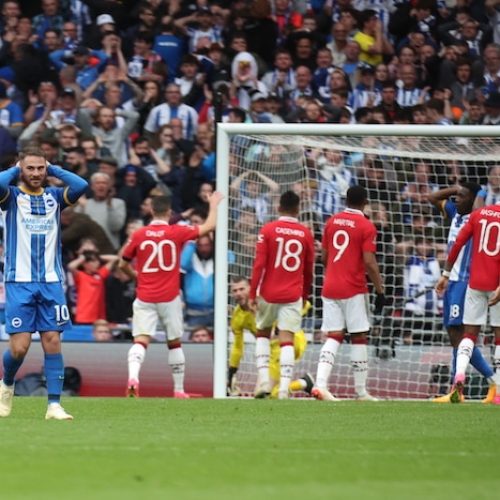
column 288, row 254
column 485, row 238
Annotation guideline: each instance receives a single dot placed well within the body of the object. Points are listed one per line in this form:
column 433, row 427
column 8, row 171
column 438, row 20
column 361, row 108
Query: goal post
column 394, row 162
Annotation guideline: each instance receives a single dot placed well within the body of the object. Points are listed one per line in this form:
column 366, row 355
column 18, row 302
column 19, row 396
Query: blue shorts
column 35, row 307
column 453, row 303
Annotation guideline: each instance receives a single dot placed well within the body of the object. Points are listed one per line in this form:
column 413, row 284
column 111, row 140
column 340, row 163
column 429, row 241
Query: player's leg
column 235, row 355
column 288, row 322
column 358, row 325
column 334, row 325
column 144, row 320
column 495, row 323
column 170, row 314
column 306, row 382
column 264, row 319
column 52, row 317
column 475, row 314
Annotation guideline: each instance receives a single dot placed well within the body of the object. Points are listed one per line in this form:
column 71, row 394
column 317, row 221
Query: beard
column 25, row 179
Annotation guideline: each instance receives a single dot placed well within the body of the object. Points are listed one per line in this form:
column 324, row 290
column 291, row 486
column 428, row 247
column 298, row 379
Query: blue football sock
column 54, row 373
column 10, row 367
column 453, row 364
column 480, row 364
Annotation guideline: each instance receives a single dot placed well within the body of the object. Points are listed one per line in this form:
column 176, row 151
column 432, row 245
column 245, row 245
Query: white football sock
column 136, row 355
column 177, row 363
column 262, row 355
column 359, row 363
column 287, row 360
column 464, row 354
column 326, row 362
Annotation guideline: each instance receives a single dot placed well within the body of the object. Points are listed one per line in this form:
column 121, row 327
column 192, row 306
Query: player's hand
column 494, row 297
column 252, row 304
column 441, row 285
column 215, row 198
column 380, row 302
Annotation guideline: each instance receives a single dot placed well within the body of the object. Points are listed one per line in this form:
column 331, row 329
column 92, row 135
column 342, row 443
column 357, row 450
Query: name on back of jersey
column 289, row 231
column 344, row 222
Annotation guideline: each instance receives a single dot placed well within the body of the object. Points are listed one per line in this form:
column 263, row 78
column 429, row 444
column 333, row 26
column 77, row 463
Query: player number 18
column 288, row 254
column 485, row 238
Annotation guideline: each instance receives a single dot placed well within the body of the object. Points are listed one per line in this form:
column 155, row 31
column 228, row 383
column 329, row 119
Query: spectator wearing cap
column 199, row 28
column 109, row 212
column 365, row 94
column 145, row 64
column 173, row 108
column 107, row 131
column 492, row 107
column 66, row 109
column 86, row 71
column 372, row 41
column 258, row 112
column 50, row 18
column 104, row 24
column 11, row 114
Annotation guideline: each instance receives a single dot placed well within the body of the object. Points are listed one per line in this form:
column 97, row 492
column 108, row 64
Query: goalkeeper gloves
column 379, row 304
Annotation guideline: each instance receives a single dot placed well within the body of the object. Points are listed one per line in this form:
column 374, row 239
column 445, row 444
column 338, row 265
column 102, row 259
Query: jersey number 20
column 156, row 259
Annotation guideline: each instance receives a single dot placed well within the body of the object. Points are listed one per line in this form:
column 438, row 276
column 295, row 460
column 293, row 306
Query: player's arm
column 6, row 178
column 308, row 267
column 438, row 198
column 494, row 297
column 373, row 271
column 209, row 224
column 126, row 256
column 76, row 263
column 463, row 237
column 258, row 265
column 75, row 185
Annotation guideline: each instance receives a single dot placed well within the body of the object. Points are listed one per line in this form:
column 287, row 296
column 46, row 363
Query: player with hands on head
column 458, row 211
column 281, row 279
column 349, row 245
column 156, row 250
column 483, row 227
column 35, row 300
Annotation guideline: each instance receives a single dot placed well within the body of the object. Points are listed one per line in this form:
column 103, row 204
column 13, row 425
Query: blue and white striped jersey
column 32, row 239
column 461, row 268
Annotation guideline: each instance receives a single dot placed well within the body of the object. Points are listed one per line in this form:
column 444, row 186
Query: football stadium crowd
column 126, row 93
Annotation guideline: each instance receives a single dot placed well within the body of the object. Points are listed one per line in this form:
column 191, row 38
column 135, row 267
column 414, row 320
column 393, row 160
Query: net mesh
column 408, row 347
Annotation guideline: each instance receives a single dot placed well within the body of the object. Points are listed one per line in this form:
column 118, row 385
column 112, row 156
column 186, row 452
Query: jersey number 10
column 485, row 238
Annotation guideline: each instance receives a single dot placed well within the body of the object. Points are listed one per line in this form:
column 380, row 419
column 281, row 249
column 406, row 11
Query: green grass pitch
column 206, row 449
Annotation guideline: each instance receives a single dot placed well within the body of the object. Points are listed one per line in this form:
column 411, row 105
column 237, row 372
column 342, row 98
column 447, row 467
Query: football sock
column 464, row 354
column 453, row 364
column 54, row 374
column 496, row 364
column 10, row 367
column 136, row 355
column 262, row 355
column 481, row 365
column 287, row 360
column 177, row 363
column 326, row 361
column 359, row 363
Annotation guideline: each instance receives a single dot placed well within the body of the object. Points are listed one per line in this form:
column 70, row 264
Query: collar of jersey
column 354, row 211
column 157, row 222
column 24, row 189
column 287, row 218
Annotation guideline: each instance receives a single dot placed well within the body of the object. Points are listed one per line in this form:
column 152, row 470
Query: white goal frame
column 224, row 133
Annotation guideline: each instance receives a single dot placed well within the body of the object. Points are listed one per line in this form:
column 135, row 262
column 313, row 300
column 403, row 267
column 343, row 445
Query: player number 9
column 340, row 242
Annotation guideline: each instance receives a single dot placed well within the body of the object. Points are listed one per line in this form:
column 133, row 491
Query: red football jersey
column 346, row 237
column 157, row 252
column 284, row 260
column 483, row 227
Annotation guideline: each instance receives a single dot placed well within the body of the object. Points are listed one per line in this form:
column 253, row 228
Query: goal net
column 409, row 352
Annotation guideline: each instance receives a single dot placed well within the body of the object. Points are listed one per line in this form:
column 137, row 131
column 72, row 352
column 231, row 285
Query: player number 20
column 156, row 259
column 288, row 254
column 486, row 238
column 340, row 242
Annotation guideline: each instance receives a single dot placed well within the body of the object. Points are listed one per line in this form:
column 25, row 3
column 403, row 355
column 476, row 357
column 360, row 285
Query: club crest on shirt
column 16, row 322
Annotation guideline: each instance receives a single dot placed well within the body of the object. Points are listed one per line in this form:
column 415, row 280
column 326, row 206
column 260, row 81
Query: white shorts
column 346, row 314
column 476, row 308
column 147, row 314
column 287, row 316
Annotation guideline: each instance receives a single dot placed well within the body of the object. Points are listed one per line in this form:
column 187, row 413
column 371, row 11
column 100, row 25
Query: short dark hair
column 289, row 201
column 160, row 205
column 356, row 196
column 31, row 151
column 473, row 187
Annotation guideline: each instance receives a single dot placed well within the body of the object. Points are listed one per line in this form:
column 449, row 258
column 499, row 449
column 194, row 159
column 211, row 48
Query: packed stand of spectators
column 126, row 94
